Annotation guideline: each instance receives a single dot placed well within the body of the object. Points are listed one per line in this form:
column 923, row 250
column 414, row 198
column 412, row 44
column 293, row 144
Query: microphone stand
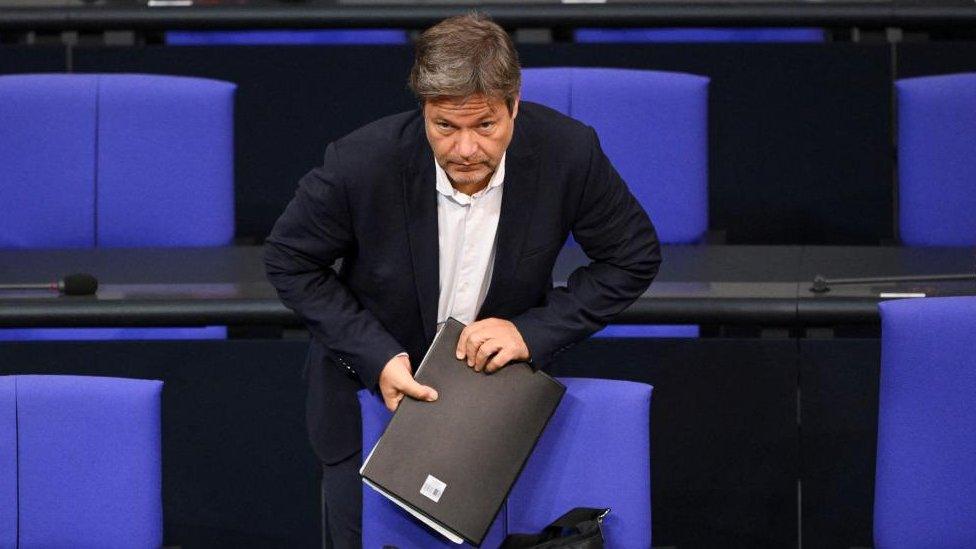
column 822, row 284
column 50, row 286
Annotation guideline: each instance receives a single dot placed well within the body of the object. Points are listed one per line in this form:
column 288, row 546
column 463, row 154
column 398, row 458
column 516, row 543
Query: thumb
column 420, row 392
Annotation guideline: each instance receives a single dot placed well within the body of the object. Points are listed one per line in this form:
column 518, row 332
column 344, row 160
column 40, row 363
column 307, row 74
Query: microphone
column 72, row 284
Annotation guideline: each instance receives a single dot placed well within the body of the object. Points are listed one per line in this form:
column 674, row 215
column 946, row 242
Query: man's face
column 469, row 137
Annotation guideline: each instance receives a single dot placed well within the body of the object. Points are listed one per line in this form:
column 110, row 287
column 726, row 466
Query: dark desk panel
column 838, row 416
column 23, row 59
column 929, row 59
column 724, row 442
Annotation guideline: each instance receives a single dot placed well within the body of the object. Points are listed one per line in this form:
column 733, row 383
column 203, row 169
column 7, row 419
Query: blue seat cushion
column 8, row 462
column 706, row 34
column 287, row 37
column 90, row 470
column 936, row 164
column 631, row 331
column 178, row 147
column 652, row 126
column 102, row 334
column 47, row 161
column 595, row 452
column 925, row 489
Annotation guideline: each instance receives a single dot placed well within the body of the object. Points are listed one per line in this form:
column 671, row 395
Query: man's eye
column 487, row 125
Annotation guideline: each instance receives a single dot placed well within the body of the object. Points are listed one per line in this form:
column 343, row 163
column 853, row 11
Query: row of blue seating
column 80, row 457
column 89, row 162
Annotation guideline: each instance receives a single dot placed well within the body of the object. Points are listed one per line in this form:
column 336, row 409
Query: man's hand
column 490, row 344
column 396, row 380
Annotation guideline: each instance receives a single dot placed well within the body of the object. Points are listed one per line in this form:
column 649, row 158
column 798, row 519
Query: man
column 456, row 209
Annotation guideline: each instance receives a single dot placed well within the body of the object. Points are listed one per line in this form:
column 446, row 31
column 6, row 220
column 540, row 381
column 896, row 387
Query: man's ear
column 515, row 106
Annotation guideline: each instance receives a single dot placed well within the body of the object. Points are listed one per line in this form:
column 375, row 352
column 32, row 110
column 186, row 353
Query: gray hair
column 466, row 55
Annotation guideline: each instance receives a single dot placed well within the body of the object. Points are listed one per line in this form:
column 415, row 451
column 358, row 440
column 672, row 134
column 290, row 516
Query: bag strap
column 575, row 519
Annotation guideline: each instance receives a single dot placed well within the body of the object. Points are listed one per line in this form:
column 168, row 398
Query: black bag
column 577, row 529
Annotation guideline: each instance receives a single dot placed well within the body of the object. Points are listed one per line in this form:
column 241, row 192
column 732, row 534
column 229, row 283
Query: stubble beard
column 472, row 178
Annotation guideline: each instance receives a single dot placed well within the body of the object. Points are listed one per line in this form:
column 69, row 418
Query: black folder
column 452, row 462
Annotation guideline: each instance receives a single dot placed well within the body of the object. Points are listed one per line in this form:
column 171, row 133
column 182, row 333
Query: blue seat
column 88, row 467
column 8, row 462
column 47, row 165
column 691, row 35
column 333, row 37
column 124, row 160
column 165, row 161
column 925, row 482
column 595, row 452
column 113, row 334
column 654, row 128
column 936, row 164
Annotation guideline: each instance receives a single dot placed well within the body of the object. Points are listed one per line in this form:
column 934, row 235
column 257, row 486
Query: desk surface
column 764, row 285
column 211, row 14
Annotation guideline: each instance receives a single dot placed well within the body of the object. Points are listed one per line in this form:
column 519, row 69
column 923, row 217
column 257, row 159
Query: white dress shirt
column 466, row 228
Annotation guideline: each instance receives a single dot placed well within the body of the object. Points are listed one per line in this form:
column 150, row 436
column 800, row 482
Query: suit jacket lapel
column 420, row 209
column 518, row 200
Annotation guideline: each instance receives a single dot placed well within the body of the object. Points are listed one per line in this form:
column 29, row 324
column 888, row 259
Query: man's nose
column 466, row 145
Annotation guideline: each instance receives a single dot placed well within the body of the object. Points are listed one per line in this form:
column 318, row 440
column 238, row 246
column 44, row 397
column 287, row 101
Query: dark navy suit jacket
column 373, row 203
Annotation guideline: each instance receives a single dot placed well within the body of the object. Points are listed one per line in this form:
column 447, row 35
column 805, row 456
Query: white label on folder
column 433, row 488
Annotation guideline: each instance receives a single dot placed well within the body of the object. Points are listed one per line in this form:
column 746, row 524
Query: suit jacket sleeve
column 617, row 235
column 313, row 232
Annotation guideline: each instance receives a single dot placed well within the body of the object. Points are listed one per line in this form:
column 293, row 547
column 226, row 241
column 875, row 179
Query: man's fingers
column 499, row 361
column 392, row 401
column 487, row 349
column 462, row 343
column 475, row 340
column 420, row 392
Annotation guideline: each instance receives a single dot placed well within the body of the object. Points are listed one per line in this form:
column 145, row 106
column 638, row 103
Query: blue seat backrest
column 165, row 161
column 925, row 484
column 936, row 160
column 8, row 462
column 90, row 462
column 47, row 161
column 706, row 34
column 595, row 452
column 115, row 160
column 306, row 37
column 653, row 127
column 80, row 462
